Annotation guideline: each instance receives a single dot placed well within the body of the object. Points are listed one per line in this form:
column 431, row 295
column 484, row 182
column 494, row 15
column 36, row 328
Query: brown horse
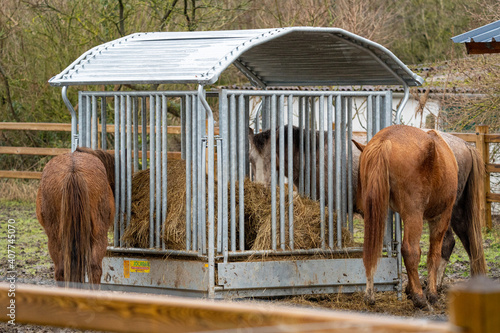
column 415, row 173
column 465, row 217
column 75, row 206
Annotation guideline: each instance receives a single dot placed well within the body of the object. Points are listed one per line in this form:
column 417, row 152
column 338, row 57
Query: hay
column 258, row 215
column 174, row 227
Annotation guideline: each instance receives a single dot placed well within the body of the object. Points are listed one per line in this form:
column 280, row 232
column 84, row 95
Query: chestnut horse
column 415, row 173
column 465, row 217
column 75, row 206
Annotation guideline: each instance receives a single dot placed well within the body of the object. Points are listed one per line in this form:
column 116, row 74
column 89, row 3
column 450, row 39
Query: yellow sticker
column 139, row 266
column 126, row 269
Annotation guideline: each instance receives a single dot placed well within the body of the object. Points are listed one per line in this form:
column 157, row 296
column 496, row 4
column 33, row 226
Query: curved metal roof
column 269, row 57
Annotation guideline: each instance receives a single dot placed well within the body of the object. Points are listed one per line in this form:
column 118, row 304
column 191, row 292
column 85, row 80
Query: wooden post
column 483, row 147
column 473, row 305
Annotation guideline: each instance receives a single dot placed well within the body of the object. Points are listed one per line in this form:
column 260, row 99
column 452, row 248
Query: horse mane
column 107, row 160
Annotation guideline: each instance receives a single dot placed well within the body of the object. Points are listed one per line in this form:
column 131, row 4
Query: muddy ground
column 34, row 266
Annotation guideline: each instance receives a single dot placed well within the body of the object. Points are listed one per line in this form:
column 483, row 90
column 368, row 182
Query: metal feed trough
column 215, row 262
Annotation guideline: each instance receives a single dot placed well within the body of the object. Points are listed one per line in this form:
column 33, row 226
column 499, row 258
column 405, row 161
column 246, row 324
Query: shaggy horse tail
column 472, row 200
column 374, row 170
column 75, row 228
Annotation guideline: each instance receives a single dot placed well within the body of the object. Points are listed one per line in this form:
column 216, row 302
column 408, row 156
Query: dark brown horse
column 415, row 173
column 465, row 217
column 75, row 205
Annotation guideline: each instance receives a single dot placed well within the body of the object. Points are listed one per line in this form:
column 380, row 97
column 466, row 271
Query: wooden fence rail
column 472, row 308
column 481, row 139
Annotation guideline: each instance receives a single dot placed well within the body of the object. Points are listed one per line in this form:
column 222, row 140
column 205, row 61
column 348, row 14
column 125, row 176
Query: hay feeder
column 201, row 232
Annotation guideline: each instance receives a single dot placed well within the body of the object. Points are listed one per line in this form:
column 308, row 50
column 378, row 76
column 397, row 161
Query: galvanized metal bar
column 117, row 241
column 232, row 171
column 201, row 211
column 350, row 190
column 307, row 125
column 128, row 178
column 144, row 122
column 369, row 117
column 290, row 172
column 344, row 164
column 338, row 167
column 203, row 189
column 273, row 171
column 166, row 252
column 220, row 198
column 188, row 154
column 388, row 109
column 246, row 134
column 135, row 113
column 74, row 119
column 123, row 162
column 305, row 93
column 152, row 169
column 313, row 163
column 281, row 153
column 88, row 120
column 301, row 143
column 157, row 136
column 224, row 130
column 321, row 166
column 183, row 126
column 164, row 165
column 81, row 122
column 194, row 176
column 104, row 133
column 297, row 252
column 241, row 169
column 331, row 176
column 211, row 182
column 94, row 132
column 376, row 118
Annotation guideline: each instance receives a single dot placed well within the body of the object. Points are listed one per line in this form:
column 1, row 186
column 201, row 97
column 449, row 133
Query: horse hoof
column 432, row 298
column 419, row 302
column 369, row 300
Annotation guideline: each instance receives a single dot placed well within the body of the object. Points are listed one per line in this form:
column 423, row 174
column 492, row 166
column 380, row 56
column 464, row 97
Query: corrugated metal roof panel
column 486, row 33
column 285, row 56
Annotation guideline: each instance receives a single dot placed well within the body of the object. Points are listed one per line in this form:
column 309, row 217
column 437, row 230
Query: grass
column 32, row 259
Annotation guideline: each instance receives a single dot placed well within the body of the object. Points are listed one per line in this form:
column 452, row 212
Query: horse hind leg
column 411, row 254
column 446, row 250
column 437, row 231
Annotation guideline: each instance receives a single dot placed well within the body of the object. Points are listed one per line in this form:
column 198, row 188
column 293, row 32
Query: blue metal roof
column 268, row 57
column 485, row 34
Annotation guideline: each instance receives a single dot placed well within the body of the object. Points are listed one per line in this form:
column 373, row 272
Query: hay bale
column 174, row 227
column 258, row 214
column 306, row 219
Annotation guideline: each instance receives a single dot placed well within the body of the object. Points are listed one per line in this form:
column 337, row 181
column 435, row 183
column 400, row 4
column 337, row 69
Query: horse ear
column 250, row 133
column 360, row 146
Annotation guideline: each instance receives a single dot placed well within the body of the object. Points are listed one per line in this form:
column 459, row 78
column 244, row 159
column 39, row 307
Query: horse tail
column 472, row 200
column 374, row 168
column 75, row 228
